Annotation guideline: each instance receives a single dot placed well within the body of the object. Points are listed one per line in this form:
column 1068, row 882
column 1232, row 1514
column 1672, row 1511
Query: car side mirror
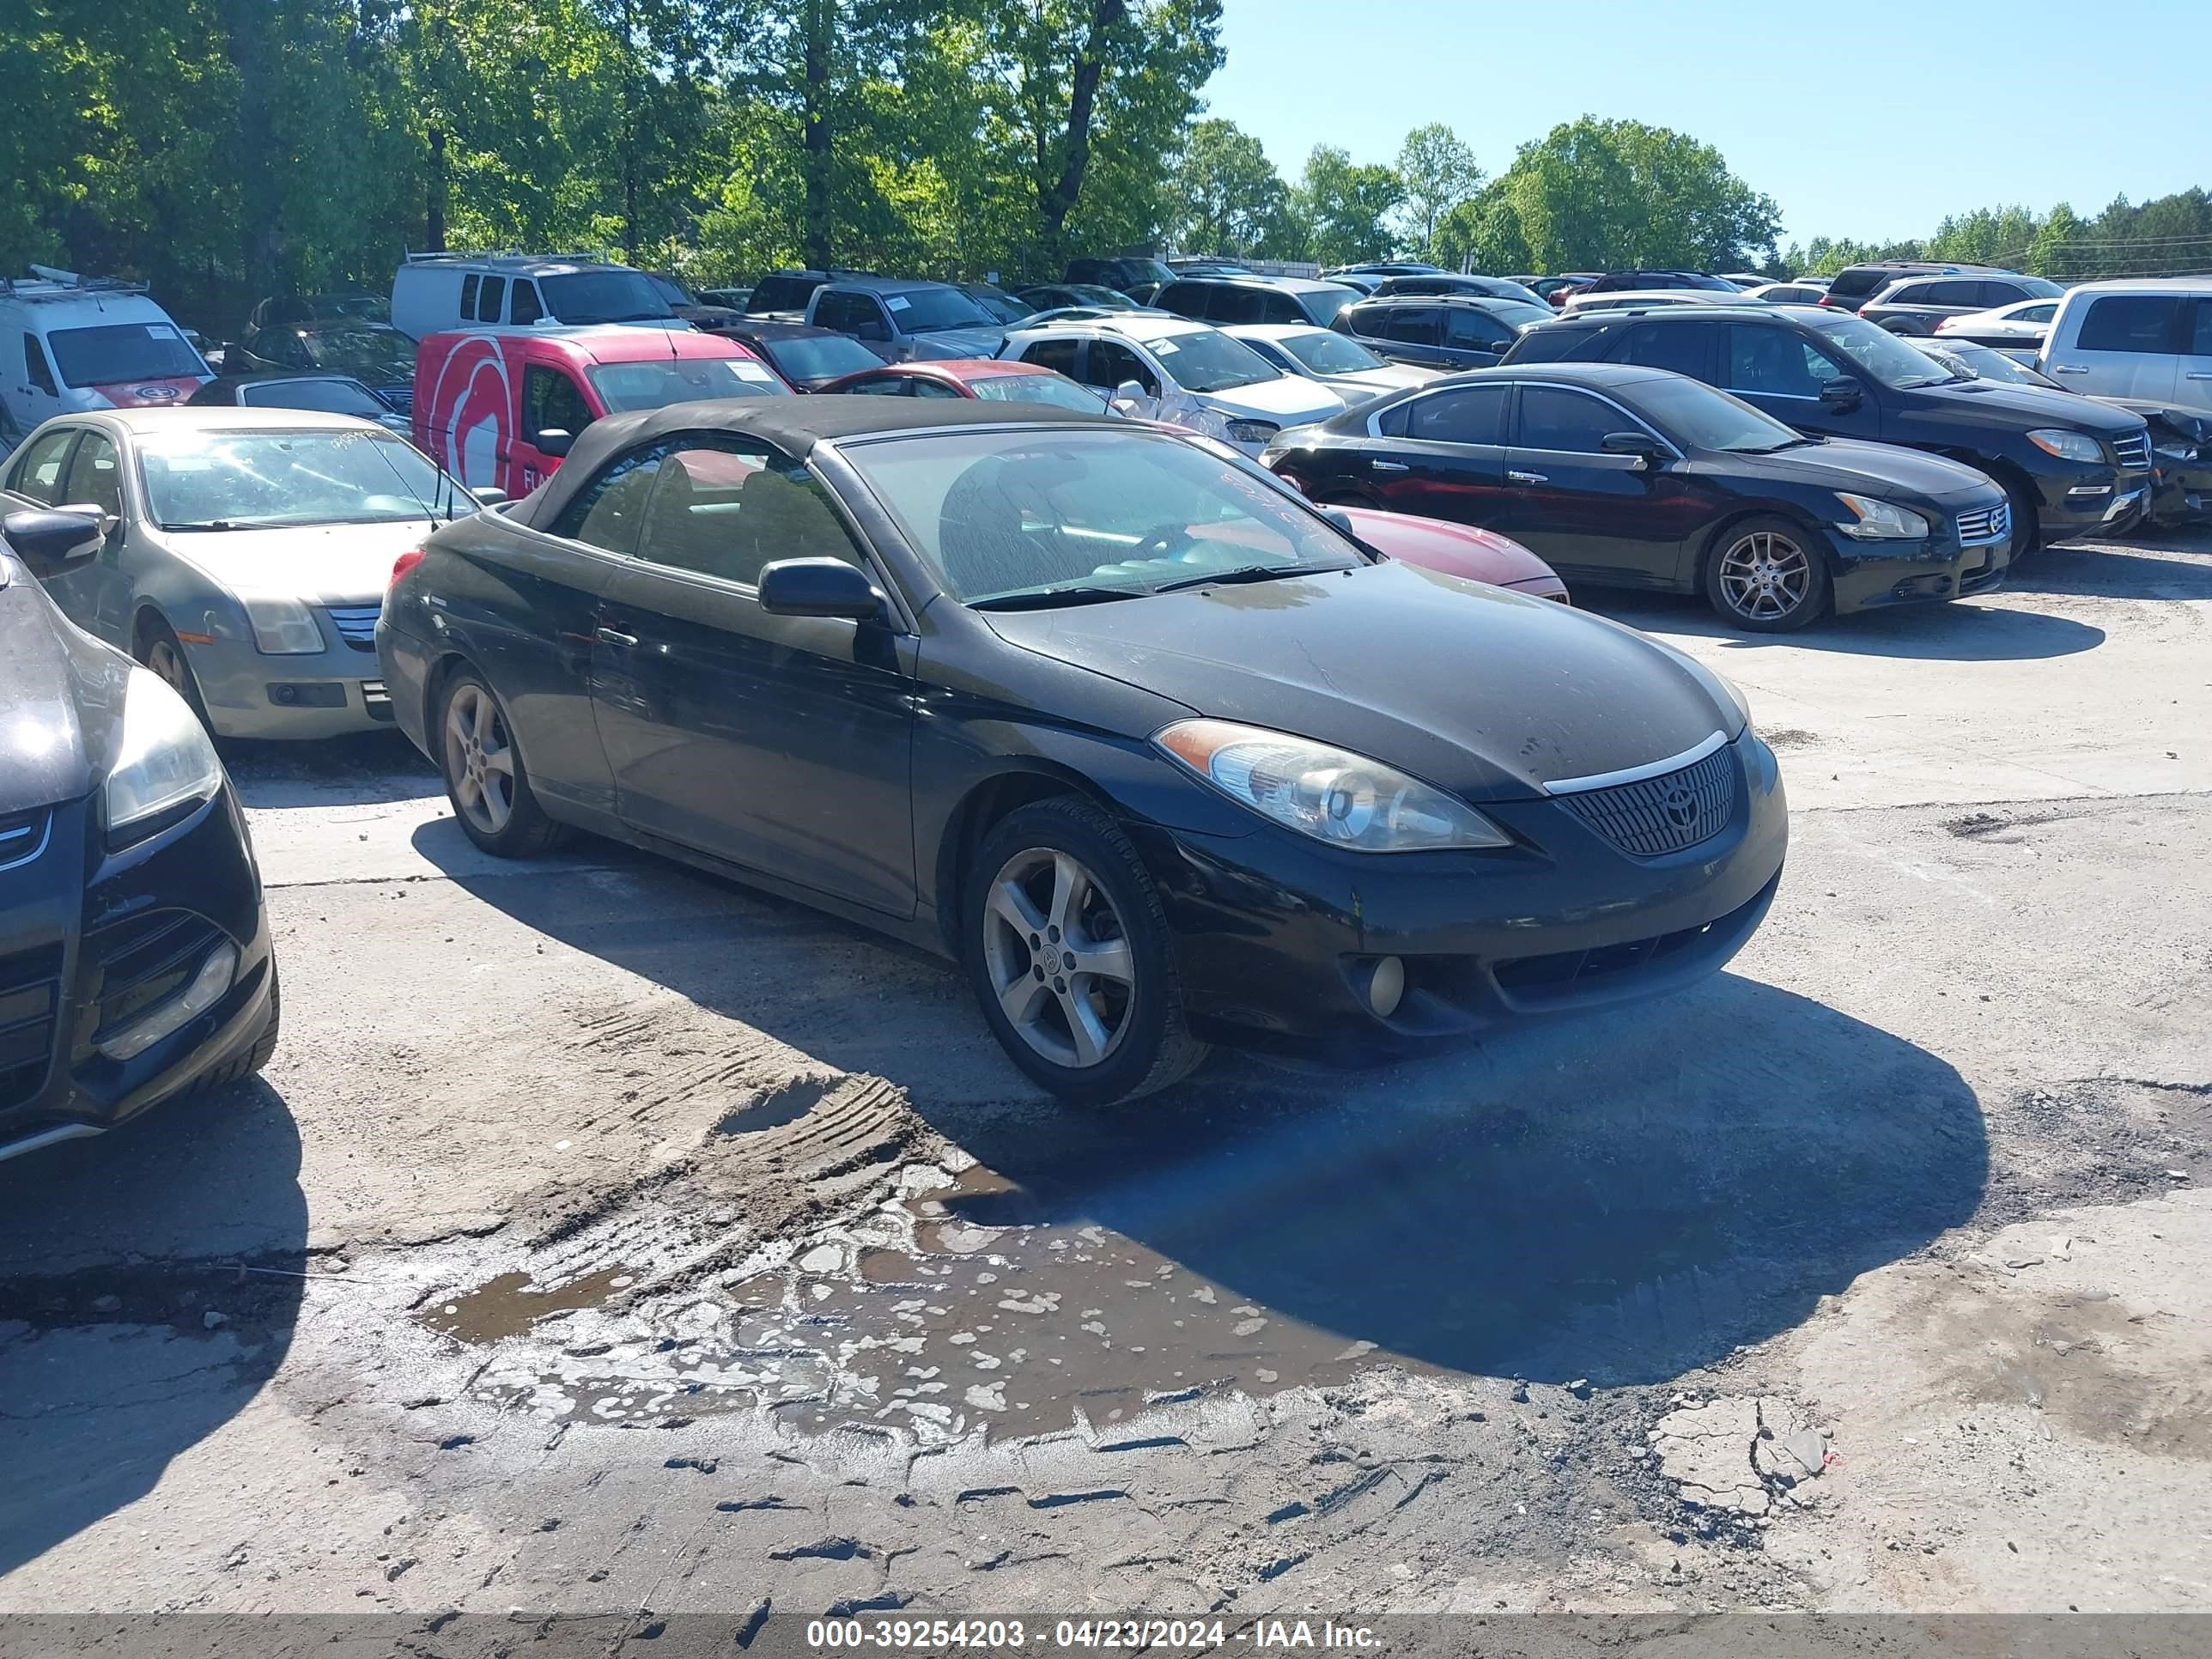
column 489, row 496
column 1129, row 397
column 1633, row 443
column 819, row 587
column 49, row 542
column 554, row 440
column 1841, row 394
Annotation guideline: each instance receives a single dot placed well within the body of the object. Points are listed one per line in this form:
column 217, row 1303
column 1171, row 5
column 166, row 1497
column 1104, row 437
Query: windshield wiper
column 1048, row 599
column 212, row 523
column 1242, row 573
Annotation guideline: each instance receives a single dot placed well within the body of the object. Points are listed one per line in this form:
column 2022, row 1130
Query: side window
column 1990, row 295
column 1280, row 308
column 38, row 473
column 1364, row 320
column 551, row 399
column 1112, row 363
column 1955, row 294
column 2130, row 322
column 1475, row 330
column 608, row 511
column 727, row 508
column 1571, row 422
column 492, row 296
column 95, row 475
column 2199, row 344
column 1471, row 414
column 35, row 364
column 1058, row 354
column 1777, row 363
column 469, row 298
column 931, row 388
column 1680, row 347
column 1239, row 305
column 1184, row 299
column 884, row 385
column 522, row 305
column 2042, row 313
column 1393, row 421
column 1415, row 325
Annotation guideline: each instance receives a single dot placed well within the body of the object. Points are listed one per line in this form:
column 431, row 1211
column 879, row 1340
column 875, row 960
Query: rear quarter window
column 2130, row 322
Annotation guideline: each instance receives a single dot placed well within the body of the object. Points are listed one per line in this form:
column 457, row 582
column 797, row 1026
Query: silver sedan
column 247, row 552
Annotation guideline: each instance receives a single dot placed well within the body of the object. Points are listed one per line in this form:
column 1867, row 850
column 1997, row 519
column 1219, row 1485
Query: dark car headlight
column 164, row 765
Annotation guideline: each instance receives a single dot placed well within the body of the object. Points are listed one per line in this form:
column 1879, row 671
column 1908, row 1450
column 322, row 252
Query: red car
column 972, row 377
column 1456, row 549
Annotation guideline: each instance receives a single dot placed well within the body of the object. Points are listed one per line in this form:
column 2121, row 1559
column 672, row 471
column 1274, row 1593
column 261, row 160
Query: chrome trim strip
column 46, row 835
column 1637, row 774
column 46, row 1138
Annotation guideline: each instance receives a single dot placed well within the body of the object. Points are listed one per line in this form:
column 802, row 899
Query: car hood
column 1457, row 549
column 2045, row 406
column 1883, row 471
column 323, row 564
column 1376, row 382
column 1488, row 693
column 64, row 694
column 958, row 341
column 1288, row 400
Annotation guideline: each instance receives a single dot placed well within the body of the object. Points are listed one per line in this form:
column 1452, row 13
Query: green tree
column 1232, row 199
column 1347, row 209
column 1437, row 172
column 2055, row 252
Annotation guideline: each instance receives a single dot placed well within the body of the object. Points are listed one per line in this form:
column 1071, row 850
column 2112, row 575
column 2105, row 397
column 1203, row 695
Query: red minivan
column 498, row 407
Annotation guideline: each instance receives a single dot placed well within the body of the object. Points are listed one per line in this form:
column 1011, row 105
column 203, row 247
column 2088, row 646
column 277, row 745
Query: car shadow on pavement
column 1619, row 1197
column 2105, row 573
column 128, row 1331
column 371, row 768
column 1969, row 632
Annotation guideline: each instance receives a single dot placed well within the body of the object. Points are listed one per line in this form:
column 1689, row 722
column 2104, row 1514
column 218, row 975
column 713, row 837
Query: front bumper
column 93, row 941
column 1867, row 575
column 2181, row 491
column 1276, row 933
column 2083, row 500
column 323, row 694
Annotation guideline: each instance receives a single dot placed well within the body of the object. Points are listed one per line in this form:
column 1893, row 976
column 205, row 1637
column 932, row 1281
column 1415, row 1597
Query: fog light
column 1385, row 986
column 206, row 989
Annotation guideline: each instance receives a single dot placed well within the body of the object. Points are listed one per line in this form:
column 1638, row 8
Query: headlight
column 1882, row 521
column 1345, row 800
column 1252, row 432
column 2067, row 445
column 164, row 761
column 283, row 628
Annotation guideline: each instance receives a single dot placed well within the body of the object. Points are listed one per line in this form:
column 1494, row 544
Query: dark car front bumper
column 1871, row 574
column 2182, row 491
column 91, row 942
column 2091, row 498
column 1277, row 935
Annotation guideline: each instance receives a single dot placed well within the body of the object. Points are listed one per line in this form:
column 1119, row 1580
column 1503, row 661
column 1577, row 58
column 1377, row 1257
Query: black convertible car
column 1140, row 738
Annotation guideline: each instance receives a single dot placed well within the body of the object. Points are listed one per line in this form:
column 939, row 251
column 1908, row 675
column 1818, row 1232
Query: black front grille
column 356, row 624
column 23, row 836
column 2134, row 451
column 1581, row 968
column 1656, row 816
column 30, row 994
column 1992, row 523
column 143, row 960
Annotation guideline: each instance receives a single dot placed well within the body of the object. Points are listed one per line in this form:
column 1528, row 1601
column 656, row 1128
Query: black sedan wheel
column 484, row 775
column 1763, row 575
column 1069, row 954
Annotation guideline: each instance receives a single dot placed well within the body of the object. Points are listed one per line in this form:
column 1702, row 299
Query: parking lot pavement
column 604, row 1236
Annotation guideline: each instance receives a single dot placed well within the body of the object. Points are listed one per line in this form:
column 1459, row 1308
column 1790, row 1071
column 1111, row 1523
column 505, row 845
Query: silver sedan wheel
column 1058, row 958
column 168, row 664
column 1765, row 575
column 479, row 759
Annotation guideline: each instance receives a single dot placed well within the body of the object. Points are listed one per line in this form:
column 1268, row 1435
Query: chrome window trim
column 1635, row 774
column 1621, row 409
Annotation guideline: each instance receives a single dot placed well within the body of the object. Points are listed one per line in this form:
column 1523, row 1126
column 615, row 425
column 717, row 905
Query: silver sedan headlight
column 164, row 763
column 1329, row 794
column 283, row 628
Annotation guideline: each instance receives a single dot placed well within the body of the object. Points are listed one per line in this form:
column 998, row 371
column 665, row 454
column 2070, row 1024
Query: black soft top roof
column 793, row 425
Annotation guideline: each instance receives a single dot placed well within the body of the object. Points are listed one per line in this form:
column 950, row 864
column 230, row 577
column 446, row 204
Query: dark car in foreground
column 1626, row 477
column 135, row 959
column 2069, row 465
column 1123, row 724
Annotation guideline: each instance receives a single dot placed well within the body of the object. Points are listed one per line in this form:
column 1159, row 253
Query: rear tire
column 485, row 779
column 1767, row 575
column 1070, row 956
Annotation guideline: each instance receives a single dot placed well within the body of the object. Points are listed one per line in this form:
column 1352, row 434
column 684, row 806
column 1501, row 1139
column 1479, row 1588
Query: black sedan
column 331, row 394
column 134, row 961
column 1120, row 723
column 1638, row 477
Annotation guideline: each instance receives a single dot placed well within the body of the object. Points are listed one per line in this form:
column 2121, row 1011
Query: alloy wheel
column 479, row 759
column 1765, row 575
column 1058, row 958
column 168, row 664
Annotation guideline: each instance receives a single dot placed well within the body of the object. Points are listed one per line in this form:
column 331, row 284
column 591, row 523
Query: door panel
column 1781, row 372
column 2127, row 346
column 1444, row 456
column 778, row 742
column 2193, row 377
column 1606, row 519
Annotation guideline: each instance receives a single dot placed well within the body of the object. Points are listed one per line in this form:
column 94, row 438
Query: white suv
column 70, row 345
column 2137, row 338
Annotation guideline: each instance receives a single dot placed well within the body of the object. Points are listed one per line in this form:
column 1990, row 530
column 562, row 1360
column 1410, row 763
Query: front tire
column 2026, row 528
column 159, row 650
column 1069, row 953
column 1765, row 575
column 485, row 778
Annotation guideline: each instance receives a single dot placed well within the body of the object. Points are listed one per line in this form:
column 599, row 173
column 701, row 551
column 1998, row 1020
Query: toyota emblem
column 154, row 394
column 1681, row 807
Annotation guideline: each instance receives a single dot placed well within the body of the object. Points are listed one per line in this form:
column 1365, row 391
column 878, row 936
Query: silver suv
column 1914, row 305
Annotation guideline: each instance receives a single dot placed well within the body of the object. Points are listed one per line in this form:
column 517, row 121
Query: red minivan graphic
column 481, row 397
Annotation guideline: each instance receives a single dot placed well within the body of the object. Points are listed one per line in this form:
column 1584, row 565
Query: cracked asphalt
column 604, row 1237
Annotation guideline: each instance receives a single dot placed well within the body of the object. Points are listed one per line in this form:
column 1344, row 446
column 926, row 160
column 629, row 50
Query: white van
column 2150, row 338
column 70, row 344
column 436, row 293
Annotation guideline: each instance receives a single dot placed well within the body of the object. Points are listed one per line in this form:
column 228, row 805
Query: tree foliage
column 2170, row 236
column 1437, row 173
column 1345, row 209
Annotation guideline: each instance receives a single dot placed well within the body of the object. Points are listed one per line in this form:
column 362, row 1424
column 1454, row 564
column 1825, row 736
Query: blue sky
column 1869, row 124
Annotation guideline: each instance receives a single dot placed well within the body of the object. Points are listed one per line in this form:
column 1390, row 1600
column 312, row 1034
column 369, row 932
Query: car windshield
column 1108, row 299
column 603, row 296
column 1054, row 389
column 1002, row 308
column 350, row 307
column 919, row 310
column 116, row 353
column 819, row 356
column 1979, row 362
column 1885, row 357
column 332, row 396
column 1329, row 354
column 2042, row 287
column 1321, row 304
column 669, row 288
column 231, row 480
column 379, row 351
column 1207, row 360
column 1697, row 416
column 1008, row 518
column 1516, row 313
column 625, row 387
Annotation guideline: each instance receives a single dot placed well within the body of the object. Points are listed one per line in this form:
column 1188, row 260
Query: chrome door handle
column 2063, row 369
column 1389, row 466
column 2198, row 375
column 1526, row 477
column 609, row 636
